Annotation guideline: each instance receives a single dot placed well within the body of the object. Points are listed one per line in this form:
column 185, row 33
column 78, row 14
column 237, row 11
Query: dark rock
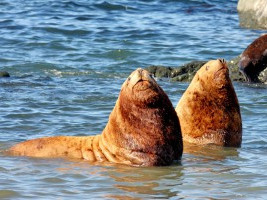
column 186, row 72
column 252, row 13
column 183, row 73
column 235, row 74
column 160, row 71
column 4, row 74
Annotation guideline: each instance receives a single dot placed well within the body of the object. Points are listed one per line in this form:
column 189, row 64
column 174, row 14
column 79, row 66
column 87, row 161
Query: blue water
column 68, row 60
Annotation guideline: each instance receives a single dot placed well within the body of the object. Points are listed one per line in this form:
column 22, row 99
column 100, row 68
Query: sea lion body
column 209, row 111
column 143, row 129
column 254, row 59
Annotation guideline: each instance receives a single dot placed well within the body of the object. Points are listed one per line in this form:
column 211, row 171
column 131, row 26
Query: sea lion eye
column 207, row 67
column 129, row 78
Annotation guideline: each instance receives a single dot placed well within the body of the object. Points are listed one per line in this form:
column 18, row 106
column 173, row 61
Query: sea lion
column 254, row 59
column 143, row 130
column 209, row 111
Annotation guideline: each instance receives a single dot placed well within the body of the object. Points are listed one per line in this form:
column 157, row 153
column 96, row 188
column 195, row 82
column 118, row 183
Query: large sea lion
column 209, row 111
column 143, row 129
column 254, row 59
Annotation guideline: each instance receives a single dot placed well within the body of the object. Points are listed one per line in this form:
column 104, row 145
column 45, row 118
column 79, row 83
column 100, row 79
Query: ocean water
column 68, row 60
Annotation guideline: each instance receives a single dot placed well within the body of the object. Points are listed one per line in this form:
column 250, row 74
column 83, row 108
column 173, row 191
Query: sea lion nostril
column 140, row 71
column 222, row 60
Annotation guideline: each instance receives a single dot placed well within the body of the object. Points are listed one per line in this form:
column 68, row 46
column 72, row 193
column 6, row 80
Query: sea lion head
column 213, row 75
column 141, row 88
column 143, row 126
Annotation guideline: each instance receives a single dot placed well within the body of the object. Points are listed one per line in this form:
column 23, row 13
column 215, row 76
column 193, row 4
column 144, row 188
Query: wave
column 44, row 70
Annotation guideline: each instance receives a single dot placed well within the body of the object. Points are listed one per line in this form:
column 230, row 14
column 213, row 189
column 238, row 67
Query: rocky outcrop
column 4, row 74
column 185, row 73
column 252, row 13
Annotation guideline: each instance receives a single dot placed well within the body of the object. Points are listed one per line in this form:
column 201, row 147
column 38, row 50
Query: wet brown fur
column 254, row 59
column 209, row 110
column 143, row 129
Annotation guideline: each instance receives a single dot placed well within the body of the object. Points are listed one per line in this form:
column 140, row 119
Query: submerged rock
column 186, row 72
column 252, row 62
column 182, row 73
column 160, row 71
column 4, row 74
column 235, row 74
column 252, row 13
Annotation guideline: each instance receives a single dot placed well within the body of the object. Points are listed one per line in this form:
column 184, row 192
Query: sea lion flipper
column 58, row 146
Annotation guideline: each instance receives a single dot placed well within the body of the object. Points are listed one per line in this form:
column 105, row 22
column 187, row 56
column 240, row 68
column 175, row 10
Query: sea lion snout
column 142, row 75
column 214, row 71
column 222, row 61
column 141, row 79
column 220, row 64
column 221, row 73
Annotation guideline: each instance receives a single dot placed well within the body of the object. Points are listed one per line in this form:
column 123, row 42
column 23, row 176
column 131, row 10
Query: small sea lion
column 209, row 111
column 143, row 130
column 254, row 59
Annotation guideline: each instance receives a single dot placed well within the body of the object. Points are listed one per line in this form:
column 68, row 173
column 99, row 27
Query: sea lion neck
column 153, row 133
column 142, row 89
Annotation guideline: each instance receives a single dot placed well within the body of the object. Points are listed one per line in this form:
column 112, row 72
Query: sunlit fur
column 209, row 110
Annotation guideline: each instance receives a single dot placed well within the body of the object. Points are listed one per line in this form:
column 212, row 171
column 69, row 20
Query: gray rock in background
column 252, row 13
